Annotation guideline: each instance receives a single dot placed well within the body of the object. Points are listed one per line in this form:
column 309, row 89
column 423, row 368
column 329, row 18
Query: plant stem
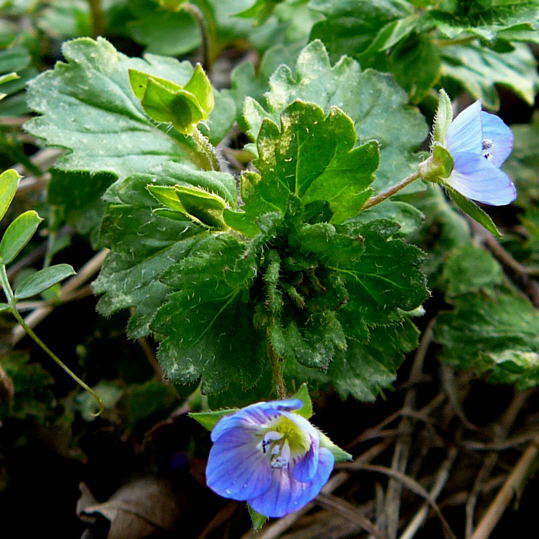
column 449, row 42
column 277, row 368
column 97, row 17
column 391, row 191
column 205, row 37
column 11, row 300
column 206, row 149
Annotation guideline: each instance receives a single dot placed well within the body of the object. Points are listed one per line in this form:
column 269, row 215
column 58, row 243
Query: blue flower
column 269, row 456
column 479, row 143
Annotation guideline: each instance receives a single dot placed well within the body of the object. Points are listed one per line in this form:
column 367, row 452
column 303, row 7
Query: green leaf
column 310, row 156
column 196, row 319
column 361, row 28
column 477, row 70
column 470, row 269
column 374, row 102
column 17, row 235
column 144, row 244
column 416, row 64
column 9, row 183
column 102, row 124
column 257, row 520
column 497, row 334
column 473, row 210
column 339, row 454
column 303, row 395
column 209, row 419
column 4, row 307
column 41, row 280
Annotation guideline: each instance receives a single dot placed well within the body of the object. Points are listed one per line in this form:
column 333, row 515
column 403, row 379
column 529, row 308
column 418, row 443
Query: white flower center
column 277, row 449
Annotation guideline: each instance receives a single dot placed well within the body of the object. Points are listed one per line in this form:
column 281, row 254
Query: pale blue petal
column 476, row 178
column 237, row 468
column 465, row 133
column 499, row 135
column 287, row 495
column 305, row 468
column 254, row 416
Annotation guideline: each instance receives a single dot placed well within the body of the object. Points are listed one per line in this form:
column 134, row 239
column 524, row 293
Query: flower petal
column 254, row 415
column 237, row 468
column 306, row 466
column 287, row 494
column 465, row 133
column 496, row 132
column 477, row 178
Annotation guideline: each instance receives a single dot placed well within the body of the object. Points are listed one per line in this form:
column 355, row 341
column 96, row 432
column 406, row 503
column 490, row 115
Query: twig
column 416, row 488
column 402, row 447
column 86, row 272
column 350, row 512
column 505, row 495
column 506, row 422
column 441, row 480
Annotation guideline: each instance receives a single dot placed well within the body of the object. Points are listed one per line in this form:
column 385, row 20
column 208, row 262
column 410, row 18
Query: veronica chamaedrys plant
column 269, row 455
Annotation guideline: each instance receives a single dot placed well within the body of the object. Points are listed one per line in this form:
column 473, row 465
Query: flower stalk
column 4, row 281
column 373, row 201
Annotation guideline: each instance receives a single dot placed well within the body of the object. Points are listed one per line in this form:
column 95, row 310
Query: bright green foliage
column 260, row 10
column 94, row 82
column 373, row 101
column 164, row 101
column 496, row 333
column 476, row 70
column 416, row 42
column 130, row 276
column 295, row 277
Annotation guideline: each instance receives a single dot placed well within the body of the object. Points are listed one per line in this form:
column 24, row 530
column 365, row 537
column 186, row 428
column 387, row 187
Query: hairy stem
column 97, row 17
column 206, row 150
column 277, row 369
column 205, row 46
column 391, row 191
column 11, row 300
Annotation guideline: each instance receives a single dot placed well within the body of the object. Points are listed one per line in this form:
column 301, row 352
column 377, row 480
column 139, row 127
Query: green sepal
column 443, row 118
column 166, row 101
column 42, row 280
column 209, row 419
column 257, row 520
column 339, row 454
column 18, row 234
column 195, row 203
column 438, row 166
column 303, row 395
column 473, row 210
column 4, row 307
column 9, row 182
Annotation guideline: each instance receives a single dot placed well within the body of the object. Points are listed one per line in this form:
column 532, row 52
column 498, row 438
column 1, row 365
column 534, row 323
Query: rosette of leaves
column 294, row 278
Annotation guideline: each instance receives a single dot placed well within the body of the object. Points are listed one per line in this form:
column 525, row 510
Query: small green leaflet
column 41, row 280
column 17, row 235
column 9, row 182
